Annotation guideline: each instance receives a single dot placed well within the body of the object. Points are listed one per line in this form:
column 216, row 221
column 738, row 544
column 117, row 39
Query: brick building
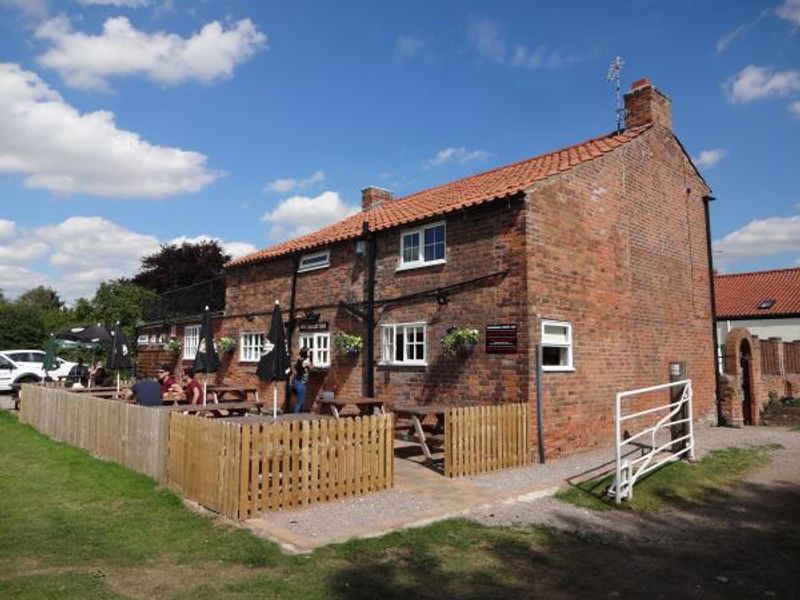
column 599, row 252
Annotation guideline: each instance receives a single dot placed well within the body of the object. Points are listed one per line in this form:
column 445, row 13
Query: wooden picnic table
column 95, row 390
column 265, row 418
column 231, row 393
column 366, row 406
column 215, row 410
column 417, row 414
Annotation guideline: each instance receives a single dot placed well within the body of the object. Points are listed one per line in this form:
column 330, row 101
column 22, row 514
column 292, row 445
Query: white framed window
column 423, row 246
column 142, row 339
column 404, row 344
column 557, row 346
column 319, row 347
column 191, row 340
column 251, row 346
column 316, row 260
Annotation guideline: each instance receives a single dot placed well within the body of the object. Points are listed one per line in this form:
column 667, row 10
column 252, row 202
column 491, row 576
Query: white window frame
column 312, row 256
column 388, row 356
column 142, row 340
column 191, row 341
column 319, row 349
column 250, row 349
column 570, row 366
column 420, row 260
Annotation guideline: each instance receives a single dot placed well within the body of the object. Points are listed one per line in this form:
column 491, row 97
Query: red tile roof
column 739, row 294
column 469, row 191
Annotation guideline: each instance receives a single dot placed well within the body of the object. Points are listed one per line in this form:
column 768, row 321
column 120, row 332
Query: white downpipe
column 617, row 450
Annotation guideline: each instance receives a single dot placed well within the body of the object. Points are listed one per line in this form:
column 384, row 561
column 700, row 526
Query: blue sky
column 127, row 123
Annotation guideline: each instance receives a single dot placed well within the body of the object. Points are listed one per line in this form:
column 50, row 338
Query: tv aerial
column 613, row 76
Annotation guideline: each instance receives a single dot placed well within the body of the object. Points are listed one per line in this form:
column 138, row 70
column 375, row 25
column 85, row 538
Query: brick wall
column 617, row 247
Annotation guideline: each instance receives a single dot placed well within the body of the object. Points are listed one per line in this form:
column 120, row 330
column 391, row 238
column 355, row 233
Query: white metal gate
column 654, row 454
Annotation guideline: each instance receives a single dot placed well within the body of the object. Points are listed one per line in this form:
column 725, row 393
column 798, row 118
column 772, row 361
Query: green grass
column 675, row 485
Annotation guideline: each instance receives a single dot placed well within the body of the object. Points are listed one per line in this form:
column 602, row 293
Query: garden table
column 417, row 414
column 214, row 410
column 231, row 393
column 366, row 406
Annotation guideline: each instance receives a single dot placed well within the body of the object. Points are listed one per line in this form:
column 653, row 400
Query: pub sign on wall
column 501, row 338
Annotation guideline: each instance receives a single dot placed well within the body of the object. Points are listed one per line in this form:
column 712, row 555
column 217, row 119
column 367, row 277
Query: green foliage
column 22, row 326
column 457, row 338
column 225, row 344
column 347, row 343
column 679, row 483
column 179, row 265
column 173, row 346
column 119, row 301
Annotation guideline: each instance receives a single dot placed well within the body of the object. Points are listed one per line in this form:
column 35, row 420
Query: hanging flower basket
column 349, row 345
column 173, row 346
column 459, row 340
column 225, row 345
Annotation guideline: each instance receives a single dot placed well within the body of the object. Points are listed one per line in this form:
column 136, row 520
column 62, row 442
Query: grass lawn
column 675, row 485
column 72, row 526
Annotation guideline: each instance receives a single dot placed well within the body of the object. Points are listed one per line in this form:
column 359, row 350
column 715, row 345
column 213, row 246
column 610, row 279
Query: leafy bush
column 458, row 338
column 346, row 343
column 225, row 344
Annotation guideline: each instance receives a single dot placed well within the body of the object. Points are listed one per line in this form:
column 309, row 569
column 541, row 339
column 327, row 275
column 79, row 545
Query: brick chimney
column 645, row 104
column 374, row 196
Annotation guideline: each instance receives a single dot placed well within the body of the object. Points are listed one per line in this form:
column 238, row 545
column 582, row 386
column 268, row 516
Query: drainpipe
column 706, row 201
column 539, row 408
column 292, row 322
column 370, row 312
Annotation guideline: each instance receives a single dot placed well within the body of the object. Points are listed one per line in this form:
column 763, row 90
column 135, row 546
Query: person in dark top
column 194, row 391
column 79, row 373
column 98, row 375
column 165, row 378
column 145, row 392
column 301, row 368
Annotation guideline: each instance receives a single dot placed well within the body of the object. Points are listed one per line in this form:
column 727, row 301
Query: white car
column 28, row 363
column 11, row 373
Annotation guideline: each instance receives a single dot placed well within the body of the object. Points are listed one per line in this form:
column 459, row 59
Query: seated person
column 145, row 392
column 165, row 378
column 98, row 375
column 79, row 374
column 192, row 387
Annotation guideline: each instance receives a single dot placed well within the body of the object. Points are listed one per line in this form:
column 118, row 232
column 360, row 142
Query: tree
column 119, row 301
column 42, row 298
column 175, row 266
column 22, row 325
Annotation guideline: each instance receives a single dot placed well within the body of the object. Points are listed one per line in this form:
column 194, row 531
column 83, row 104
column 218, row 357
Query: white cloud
column 289, row 184
column 487, row 40
column 22, row 251
column 61, row 150
column 117, row 3
column 708, row 158
column 15, row 280
column 790, row 11
column 235, row 249
column 762, row 237
column 794, row 109
column 86, row 61
column 300, row 215
column 8, row 229
column 757, row 83
column 407, row 47
column 461, row 155
column 30, row 8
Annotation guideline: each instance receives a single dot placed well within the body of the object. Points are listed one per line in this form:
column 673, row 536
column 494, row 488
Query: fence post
column 677, row 372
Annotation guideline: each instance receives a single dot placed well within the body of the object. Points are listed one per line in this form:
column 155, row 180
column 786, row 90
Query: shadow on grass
column 741, row 545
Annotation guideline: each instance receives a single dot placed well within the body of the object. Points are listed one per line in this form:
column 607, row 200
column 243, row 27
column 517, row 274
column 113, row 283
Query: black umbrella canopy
column 206, row 360
column 119, row 357
column 86, row 334
column 274, row 362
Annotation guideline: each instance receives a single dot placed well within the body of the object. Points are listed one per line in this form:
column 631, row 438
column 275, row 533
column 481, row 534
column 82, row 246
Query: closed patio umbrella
column 50, row 348
column 274, row 362
column 206, row 360
column 119, row 357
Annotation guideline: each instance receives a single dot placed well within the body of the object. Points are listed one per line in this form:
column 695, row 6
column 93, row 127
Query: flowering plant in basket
column 459, row 340
column 348, row 344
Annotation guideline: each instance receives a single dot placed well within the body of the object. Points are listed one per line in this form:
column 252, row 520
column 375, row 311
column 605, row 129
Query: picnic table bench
column 426, row 436
column 366, row 406
column 214, row 410
column 265, row 418
column 231, row 393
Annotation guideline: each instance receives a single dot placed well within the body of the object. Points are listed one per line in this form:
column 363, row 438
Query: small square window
column 423, row 246
column 766, row 304
column 318, row 345
column 317, row 260
column 404, row 344
column 557, row 346
column 250, row 347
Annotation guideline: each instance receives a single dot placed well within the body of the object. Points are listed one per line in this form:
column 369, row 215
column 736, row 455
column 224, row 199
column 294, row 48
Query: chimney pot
column 374, row 196
column 644, row 104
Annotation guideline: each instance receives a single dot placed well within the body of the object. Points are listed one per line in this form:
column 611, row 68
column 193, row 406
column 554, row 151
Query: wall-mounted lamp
column 361, row 247
column 310, row 317
column 249, row 318
column 442, row 298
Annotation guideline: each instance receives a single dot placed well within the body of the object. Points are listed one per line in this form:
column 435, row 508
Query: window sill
column 412, row 266
column 417, row 365
column 307, row 269
column 249, row 361
column 558, row 369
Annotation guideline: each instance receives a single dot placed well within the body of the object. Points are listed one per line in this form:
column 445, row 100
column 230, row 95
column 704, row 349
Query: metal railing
column 186, row 301
column 654, row 454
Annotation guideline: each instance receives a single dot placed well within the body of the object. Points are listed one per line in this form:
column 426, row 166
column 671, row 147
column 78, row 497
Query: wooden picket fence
column 243, row 469
column 480, row 439
column 133, row 436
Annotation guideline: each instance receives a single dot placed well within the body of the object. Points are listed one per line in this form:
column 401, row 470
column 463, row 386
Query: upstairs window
column 422, row 246
column 766, row 304
column 557, row 346
column 191, row 340
column 403, row 344
column 319, row 348
column 250, row 347
column 316, row 260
